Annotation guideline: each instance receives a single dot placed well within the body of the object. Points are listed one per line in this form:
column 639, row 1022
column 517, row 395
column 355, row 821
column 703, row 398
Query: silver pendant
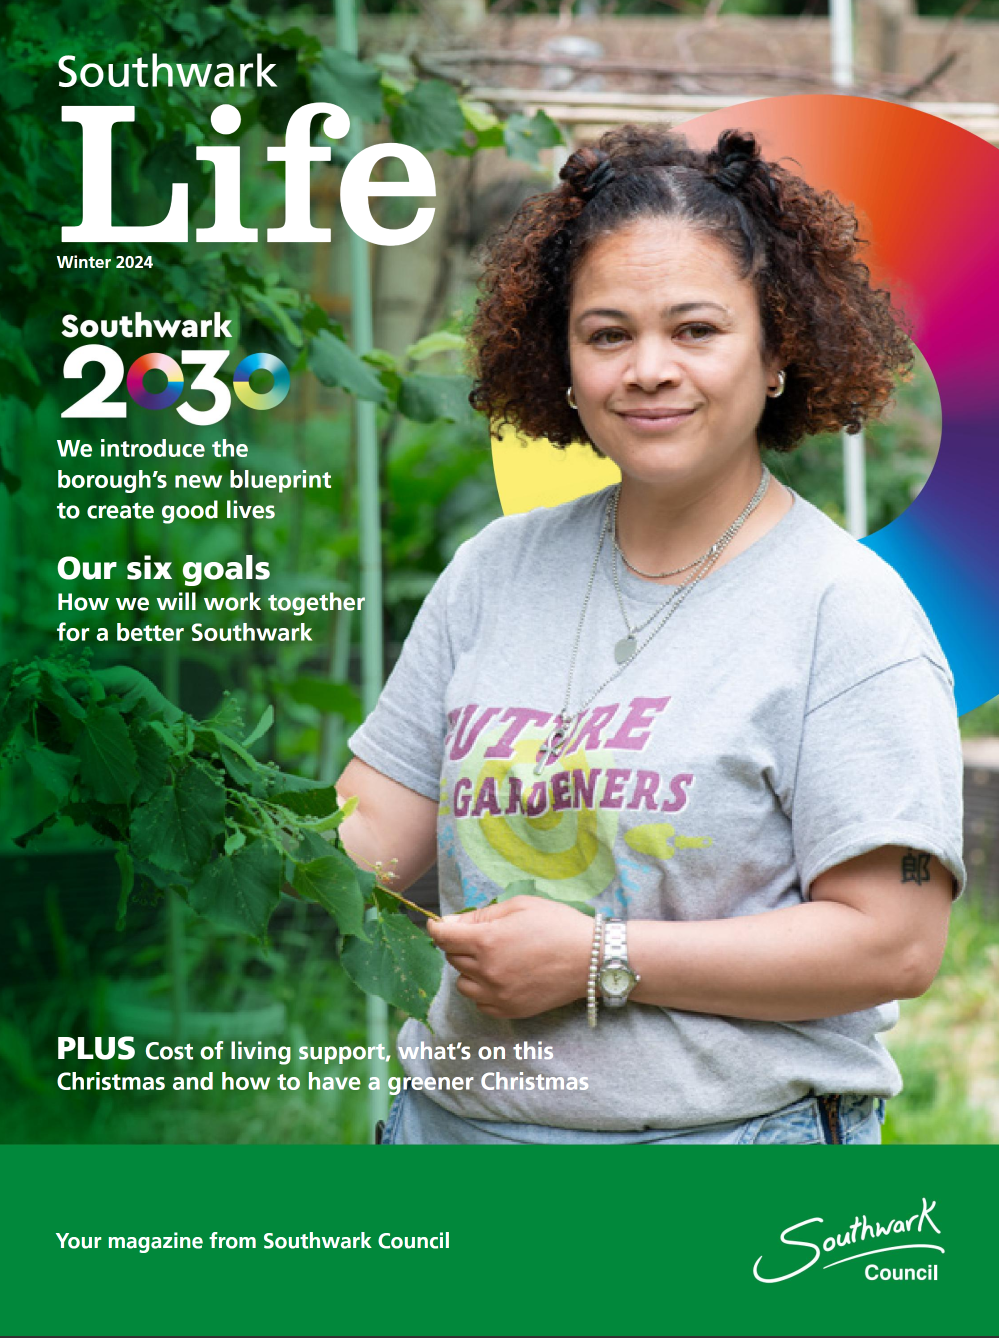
column 549, row 750
column 625, row 649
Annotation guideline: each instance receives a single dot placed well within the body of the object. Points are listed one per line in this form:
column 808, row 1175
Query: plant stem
column 431, row 915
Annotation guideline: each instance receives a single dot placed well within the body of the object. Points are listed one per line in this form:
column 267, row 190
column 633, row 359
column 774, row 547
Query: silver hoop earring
column 778, row 390
column 568, row 398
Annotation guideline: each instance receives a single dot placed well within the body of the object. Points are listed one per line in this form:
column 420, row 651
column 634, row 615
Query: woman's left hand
column 522, row 957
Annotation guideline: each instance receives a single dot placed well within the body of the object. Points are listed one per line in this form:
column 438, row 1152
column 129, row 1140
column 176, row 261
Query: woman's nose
column 653, row 363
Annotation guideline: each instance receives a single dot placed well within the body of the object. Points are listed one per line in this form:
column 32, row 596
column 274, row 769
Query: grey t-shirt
column 795, row 712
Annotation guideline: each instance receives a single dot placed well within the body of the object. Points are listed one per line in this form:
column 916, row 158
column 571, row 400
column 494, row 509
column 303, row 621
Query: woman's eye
column 607, row 336
column 697, row 331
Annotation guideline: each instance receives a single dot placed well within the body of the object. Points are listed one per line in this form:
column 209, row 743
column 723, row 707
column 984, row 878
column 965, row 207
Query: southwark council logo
column 861, row 1240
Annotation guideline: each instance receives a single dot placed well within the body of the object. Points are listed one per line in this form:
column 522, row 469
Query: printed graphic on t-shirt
column 560, row 827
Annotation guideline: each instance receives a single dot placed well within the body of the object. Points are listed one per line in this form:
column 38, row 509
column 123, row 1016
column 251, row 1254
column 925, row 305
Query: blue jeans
column 414, row 1118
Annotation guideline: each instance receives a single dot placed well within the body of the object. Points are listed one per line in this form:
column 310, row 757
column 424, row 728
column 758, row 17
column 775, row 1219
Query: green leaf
column 136, row 693
column 429, row 117
column 441, row 341
column 177, row 827
column 234, row 841
column 178, row 745
column 314, row 318
column 399, row 963
column 108, row 762
column 478, row 117
column 367, row 882
column 331, row 823
column 311, row 846
column 286, row 782
column 161, row 879
column 18, row 703
column 336, row 364
column 152, row 755
column 318, row 803
column 332, row 882
column 390, row 84
column 429, row 398
column 126, row 869
column 382, row 359
column 330, row 698
column 384, row 901
column 240, row 891
column 228, row 719
column 37, row 830
column 56, row 771
column 58, row 698
column 110, row 820
column 262, row 726
column 349, row 83
column 489, row 139
column 525, row 136
column 244, row 769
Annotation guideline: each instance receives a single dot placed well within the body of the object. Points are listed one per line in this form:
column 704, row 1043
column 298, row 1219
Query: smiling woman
column 702, row 847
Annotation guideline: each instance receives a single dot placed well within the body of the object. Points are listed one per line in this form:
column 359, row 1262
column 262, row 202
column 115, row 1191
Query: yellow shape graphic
column 656, row 839
column 531, row 473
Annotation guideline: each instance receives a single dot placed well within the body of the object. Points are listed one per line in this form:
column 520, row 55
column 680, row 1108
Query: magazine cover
column 497, row 651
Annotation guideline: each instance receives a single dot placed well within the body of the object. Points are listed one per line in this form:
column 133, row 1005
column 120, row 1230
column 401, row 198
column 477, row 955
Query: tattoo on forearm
column 915, row 867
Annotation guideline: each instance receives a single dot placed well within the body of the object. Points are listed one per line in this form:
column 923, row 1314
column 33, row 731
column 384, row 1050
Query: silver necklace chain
column 563, row 722
column 658, row 575
column 627, row 647
column 719, row 543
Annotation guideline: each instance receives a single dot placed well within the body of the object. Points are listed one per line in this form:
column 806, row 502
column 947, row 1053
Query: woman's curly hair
column 840, row 341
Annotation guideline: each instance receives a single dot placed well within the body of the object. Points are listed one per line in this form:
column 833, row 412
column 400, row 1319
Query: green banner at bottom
column 444, row 1240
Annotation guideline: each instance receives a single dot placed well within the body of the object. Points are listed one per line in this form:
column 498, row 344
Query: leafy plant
column 191, row 810
column 41, row 186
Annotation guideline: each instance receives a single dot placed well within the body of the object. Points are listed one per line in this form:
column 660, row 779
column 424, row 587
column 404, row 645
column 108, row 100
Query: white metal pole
column 855, row 484
column 841, row 32
column 854, row 463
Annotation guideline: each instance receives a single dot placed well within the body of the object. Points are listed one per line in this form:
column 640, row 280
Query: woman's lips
column 651, row 420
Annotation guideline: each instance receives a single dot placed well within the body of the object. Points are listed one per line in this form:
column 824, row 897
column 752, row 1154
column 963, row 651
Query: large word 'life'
column 298, row 155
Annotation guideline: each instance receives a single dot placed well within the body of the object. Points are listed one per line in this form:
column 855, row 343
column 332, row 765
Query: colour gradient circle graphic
column 162, row 399
column 267, row 399
column 927, row 196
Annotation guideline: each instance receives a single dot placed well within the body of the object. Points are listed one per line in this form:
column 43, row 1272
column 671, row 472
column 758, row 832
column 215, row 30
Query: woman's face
column 666, row 351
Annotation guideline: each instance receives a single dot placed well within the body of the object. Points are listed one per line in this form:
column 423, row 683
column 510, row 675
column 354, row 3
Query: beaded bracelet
column 591, row 984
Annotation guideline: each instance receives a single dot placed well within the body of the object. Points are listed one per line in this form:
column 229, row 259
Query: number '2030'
column 95, row 403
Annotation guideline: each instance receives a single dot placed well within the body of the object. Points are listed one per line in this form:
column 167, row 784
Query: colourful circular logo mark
column 155, row 362
column 927, row 195
column 267, row 399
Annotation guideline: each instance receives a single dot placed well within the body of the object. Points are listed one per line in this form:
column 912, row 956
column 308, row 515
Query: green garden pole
column 369, row 509
column 176, row 955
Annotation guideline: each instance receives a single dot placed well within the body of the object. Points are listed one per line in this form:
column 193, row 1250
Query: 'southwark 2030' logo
column 863, row 1233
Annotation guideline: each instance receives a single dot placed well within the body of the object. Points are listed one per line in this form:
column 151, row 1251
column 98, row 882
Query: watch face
column 616, row 980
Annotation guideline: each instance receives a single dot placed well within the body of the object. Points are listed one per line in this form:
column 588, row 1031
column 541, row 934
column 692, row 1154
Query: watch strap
column 615, row 953
column 616, row 941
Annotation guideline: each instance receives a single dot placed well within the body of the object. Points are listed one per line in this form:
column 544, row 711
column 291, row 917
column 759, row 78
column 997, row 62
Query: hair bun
column 735, row 158
column 587, row 171
column 601, row 175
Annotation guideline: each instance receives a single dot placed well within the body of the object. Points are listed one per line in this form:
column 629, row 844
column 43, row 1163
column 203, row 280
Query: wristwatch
column 616, row 977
